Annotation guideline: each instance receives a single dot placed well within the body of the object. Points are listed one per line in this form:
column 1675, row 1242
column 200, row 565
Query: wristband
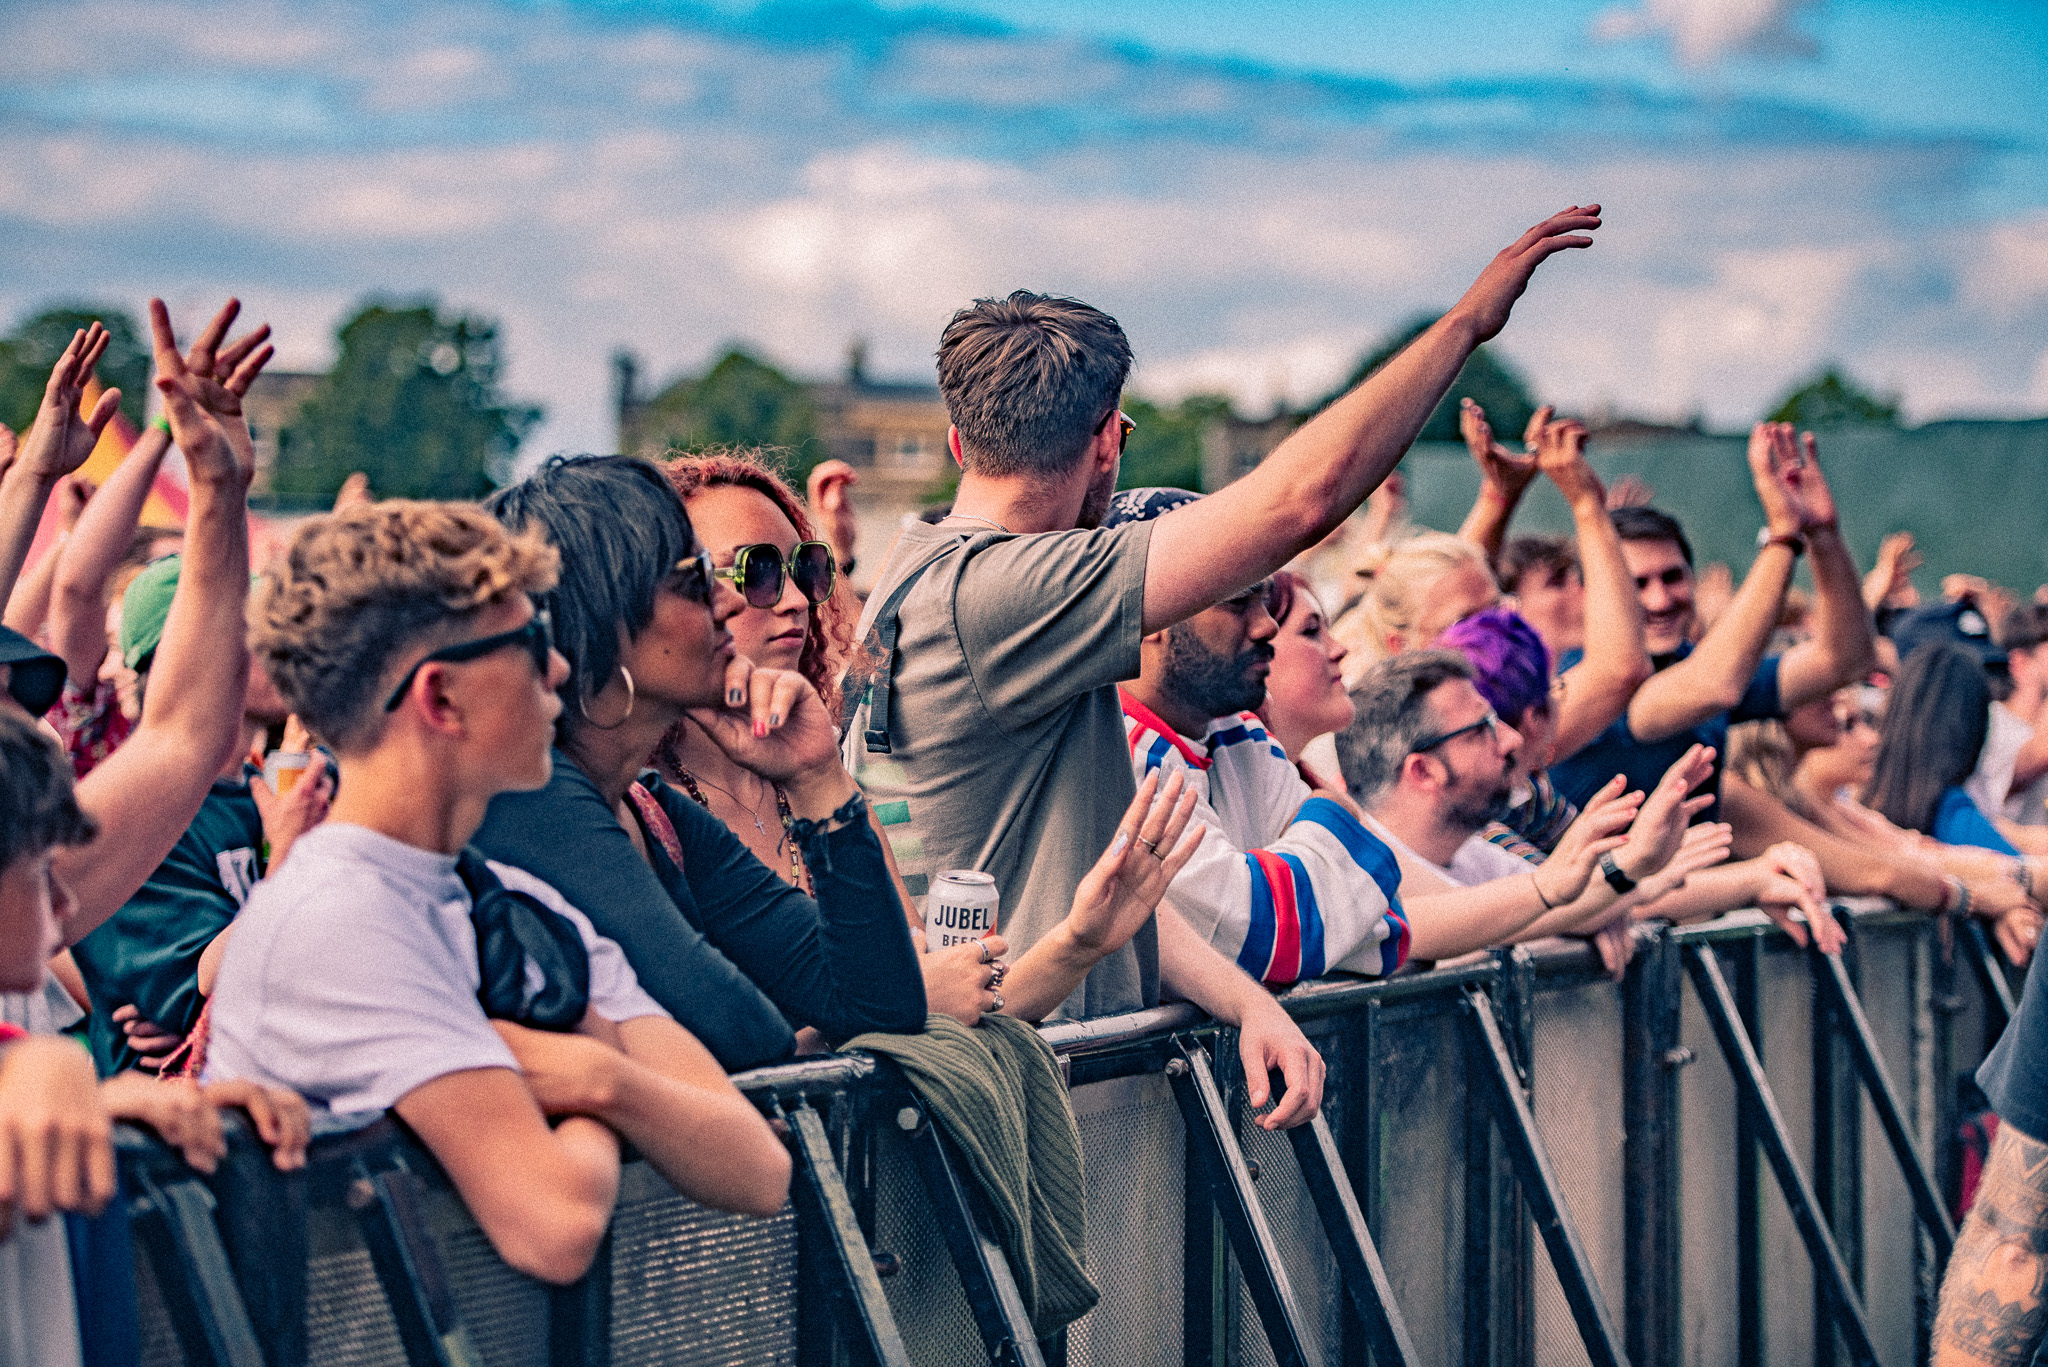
column 1547, row 905
column 1616, row 879
column 162, row 423
column 2023, row 874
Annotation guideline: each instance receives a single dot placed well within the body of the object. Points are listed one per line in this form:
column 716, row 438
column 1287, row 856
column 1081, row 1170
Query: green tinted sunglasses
column 758, row 571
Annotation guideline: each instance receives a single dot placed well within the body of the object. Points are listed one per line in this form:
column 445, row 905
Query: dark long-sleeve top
column 735, row 954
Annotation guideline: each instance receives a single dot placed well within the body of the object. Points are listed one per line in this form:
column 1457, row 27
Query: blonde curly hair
column 1397, row 579
column 355, row 589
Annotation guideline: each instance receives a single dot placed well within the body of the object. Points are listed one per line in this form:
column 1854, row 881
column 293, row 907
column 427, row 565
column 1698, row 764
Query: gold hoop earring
column 632, row 696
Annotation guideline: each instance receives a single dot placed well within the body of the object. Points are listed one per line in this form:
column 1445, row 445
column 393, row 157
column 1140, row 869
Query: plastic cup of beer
column 961, row 906
column 282, row 769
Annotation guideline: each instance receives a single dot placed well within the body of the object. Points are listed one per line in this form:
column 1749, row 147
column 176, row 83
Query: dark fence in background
column 1742, row 1154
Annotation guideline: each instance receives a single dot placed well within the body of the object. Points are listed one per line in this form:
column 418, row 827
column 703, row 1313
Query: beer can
column 961, row 907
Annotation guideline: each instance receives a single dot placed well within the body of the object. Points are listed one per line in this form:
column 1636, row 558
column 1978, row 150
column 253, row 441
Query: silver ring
column 1151, row 847
column 997, row 974
column 985, row 955
column 999, row 999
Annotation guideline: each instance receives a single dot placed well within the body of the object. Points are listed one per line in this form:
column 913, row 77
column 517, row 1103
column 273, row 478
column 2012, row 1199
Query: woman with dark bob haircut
column 736, row 954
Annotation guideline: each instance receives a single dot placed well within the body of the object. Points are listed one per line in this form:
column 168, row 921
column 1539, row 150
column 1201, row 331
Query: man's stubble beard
column 1211, row 684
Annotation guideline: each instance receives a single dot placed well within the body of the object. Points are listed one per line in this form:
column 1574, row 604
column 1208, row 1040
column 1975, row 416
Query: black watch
column 1616, row 879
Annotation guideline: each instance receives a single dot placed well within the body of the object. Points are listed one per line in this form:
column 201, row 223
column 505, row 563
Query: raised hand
column 1630, row 491
column 1596, row 831
column 1505, row 470
column 1561, row 456
column 1789, row 483
column 1661, row 824
column 1120, row 893
column 774, row 725
column 1792, row 882
column 1492, row 296
column 63, row 436
column 1890, row 581
column 828, row 491
column 1703, row 847
column 354, row 492
column 202, row 392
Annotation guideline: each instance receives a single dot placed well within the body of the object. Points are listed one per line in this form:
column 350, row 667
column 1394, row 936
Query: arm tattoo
column 1994, row 1300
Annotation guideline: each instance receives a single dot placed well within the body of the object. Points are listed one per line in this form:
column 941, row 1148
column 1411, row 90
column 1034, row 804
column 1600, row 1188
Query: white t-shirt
column 1991, row 783
column 1477, row 861
column 38, row 1312
column 352, row 975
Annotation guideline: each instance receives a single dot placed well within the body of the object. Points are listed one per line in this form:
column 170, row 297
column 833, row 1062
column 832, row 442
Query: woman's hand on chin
column 774, row 724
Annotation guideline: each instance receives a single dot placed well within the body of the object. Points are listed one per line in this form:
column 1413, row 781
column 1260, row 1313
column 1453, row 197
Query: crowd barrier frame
column 1531, row 1094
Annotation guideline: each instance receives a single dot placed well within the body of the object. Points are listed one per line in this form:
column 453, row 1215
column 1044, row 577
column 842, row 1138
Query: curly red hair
column 828, row 640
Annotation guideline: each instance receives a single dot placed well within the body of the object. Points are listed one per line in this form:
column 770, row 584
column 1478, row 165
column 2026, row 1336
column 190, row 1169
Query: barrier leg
column 1772, row 1133
column 824, row 1205
column 984, row 1272
column 580, row 1315
column 1990, row 972
column 174, row 1221
column 1222, row 1169
column 1517, row 1124
column 1652, row 1055
column 389, row 1208
column 1834, row 981
column 1358, row 1258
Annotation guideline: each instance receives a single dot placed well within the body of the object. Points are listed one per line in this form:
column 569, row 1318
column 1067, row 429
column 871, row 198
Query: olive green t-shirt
column 1007, row 739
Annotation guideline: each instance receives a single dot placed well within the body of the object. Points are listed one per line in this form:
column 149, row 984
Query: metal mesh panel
column 505, row 1312
column 1419, row 1092
column 1785, row 1006
column 925, row 1295
column 159, row 1340
column 697, row 1287
column 1297, row 1228
column 348, row 1321
column 1134, row 1149
column 1706, row 1194
column 1576, row 1078
column 1890, row 1231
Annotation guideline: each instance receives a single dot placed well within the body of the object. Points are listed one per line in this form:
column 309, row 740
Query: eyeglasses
column 1124, row 428
column 1490, row 723
column 693, row 578
column 537, row 637
column 758, row 572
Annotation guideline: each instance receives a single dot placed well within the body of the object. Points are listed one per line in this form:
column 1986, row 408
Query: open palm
column 203, row 388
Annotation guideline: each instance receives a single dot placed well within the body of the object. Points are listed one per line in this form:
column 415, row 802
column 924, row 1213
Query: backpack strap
column 514, row 927
column 877, row 658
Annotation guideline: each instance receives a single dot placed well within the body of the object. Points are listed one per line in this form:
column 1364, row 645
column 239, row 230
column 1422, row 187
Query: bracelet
column 1795, row 542
column 1955, row 895
column 1547, row 904
column 162, row 422
column 846, row 814
column 1610, row 869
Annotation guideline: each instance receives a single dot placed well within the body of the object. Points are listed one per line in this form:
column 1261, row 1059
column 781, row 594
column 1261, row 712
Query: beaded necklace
column 797, row 876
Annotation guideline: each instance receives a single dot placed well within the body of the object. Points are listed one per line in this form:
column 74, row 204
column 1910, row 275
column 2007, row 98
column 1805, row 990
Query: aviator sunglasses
column 758, row 572
column 537, row 637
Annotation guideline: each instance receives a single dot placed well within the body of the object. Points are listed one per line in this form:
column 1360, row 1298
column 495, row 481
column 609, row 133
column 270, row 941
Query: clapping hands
column 1507, row 471
column 1789, row 483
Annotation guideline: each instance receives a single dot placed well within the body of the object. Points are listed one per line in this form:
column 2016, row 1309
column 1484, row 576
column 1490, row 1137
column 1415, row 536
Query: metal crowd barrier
column 1741, row 1154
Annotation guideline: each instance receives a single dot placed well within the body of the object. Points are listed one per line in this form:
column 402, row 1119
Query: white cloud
column 598, row 183
column 1702, row 32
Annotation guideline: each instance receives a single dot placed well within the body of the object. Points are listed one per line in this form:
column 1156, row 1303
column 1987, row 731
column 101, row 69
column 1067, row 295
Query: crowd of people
column 532, row 821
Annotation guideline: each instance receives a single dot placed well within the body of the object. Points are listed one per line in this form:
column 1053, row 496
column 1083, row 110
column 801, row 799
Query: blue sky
column 1259, row 191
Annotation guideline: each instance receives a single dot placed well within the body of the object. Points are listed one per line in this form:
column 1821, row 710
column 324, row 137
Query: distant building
column 270, row 405
column 1232, row 446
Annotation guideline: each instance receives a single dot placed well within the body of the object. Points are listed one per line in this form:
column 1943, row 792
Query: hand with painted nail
column 774, row 724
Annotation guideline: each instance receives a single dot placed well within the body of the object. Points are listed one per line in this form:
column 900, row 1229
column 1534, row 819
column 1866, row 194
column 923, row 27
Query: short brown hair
column 38, row 805
column 1027, row 379
column 355, row 589
column 1548, row 554
column 2025, row 627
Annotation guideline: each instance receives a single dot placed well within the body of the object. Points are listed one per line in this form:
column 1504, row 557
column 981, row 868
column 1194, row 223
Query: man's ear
column 1417, row 769
column 431, row 700
column 953, row 445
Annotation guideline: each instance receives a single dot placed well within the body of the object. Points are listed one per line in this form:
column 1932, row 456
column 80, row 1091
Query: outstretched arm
column 1503, row 477
column 58, row 444
column 1206, row 551
column 1712, row 679
column 1598, row 688
column 1843, row 648
column 1994, row 1300
column 146, row 792
column 1268, row 1040
column 78, row 617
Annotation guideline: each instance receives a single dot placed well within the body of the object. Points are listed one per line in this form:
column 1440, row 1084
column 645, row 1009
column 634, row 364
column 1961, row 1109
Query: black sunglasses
column 537, row 636
column 693, row 578
column 758, row 572
column 1124, row 428
column 1490, row 723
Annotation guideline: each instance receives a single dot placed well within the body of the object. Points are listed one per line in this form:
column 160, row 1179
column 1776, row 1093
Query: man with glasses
column 985, row 719
column 1287, row 883
column 1705, row 682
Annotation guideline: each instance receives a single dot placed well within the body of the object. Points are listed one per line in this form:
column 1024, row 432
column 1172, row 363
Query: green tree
column 1830, row 399
column 413, row 402
column 27, row 355
column 1166, row 449
column 740, row 401
column 1484, row 378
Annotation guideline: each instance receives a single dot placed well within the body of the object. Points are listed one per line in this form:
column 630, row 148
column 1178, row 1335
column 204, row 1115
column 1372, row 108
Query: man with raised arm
column 1697, row 691
column 985, row 719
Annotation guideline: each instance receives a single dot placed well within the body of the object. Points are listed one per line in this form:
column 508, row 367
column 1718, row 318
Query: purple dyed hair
column 1510, row 663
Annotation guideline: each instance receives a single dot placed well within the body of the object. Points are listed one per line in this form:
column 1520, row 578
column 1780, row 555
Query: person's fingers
column 244, row 375
column 235, row 352
column 1693, row 806
column 294, row 1129
column 1304, row 1088
column 789, row 695
column 205, row 1145
column 100, row 1181
column 1162, row 810
column 37, row 1139
column 67, row 1165
column 736, row 675
column 1184, row 852
column 201, row 354
column 1176, row 822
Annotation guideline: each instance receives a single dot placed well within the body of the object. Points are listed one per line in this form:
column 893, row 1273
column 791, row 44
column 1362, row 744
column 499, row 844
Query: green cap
column 145, row 607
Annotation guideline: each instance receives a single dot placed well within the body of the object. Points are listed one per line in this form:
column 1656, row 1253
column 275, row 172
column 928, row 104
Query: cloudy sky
column 1258, row 190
